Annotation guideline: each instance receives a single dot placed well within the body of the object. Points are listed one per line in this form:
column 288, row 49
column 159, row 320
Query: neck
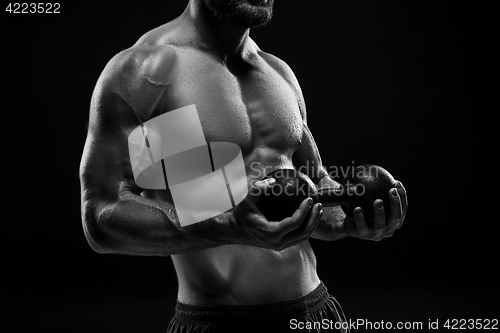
column 224, row 40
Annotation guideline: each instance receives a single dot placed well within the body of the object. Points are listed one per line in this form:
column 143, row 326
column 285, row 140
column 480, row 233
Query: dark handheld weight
column 286, row 194
column 365, row 184
column 362, row 187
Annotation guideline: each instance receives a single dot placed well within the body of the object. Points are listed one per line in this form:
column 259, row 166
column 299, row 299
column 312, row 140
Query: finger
column 379, row 222
column 258, row 188
column 312, row 221
column 396, row 216
column 403, row 196
column 295, row 235
column 360, row 222
column 255, row 192
column 307, row 228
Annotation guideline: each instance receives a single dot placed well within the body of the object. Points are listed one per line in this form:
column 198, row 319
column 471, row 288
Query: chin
column 242, row 13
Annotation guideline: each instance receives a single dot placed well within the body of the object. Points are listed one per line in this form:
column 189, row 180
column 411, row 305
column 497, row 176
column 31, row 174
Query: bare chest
column 255, row 108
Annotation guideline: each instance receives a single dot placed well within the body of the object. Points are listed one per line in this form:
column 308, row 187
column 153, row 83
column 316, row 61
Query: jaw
column 242, row 13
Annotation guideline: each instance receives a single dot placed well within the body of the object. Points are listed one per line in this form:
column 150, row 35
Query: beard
column 240, row 13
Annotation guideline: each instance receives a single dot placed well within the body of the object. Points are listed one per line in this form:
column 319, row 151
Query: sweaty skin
column 252, row 99
column 253, row 103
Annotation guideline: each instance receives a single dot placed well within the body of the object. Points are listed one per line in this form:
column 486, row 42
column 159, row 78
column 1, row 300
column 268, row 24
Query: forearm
column 141, row 226
column 331, row 227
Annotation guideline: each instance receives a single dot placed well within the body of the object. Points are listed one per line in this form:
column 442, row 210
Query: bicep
column 122, row 101
column 104, row 176
column 105, row 167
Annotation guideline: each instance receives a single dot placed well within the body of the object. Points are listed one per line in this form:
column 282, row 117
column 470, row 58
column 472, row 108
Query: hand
column 383, row 225
column 252, row 228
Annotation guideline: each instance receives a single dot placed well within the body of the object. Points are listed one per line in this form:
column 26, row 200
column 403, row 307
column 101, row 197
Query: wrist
column 340, row 225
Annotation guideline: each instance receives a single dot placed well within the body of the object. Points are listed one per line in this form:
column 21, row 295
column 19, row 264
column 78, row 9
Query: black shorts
column 316, row 312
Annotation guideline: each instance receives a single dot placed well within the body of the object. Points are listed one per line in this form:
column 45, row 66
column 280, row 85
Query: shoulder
column 132, row 68
column 133, row 79
column 152, row 56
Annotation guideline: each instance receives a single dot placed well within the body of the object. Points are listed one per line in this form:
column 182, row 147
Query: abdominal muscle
column 245, row 275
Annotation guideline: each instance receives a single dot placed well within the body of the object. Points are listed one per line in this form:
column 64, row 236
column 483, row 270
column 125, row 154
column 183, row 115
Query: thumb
column 259, row 188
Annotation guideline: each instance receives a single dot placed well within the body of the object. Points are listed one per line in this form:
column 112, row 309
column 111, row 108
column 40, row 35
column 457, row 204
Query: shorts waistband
column 264, row 312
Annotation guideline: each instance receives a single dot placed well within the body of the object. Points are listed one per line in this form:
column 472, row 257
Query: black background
column 396, row 83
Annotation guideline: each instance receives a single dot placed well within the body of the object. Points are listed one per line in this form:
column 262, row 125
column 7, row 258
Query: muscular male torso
column 254, row 103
